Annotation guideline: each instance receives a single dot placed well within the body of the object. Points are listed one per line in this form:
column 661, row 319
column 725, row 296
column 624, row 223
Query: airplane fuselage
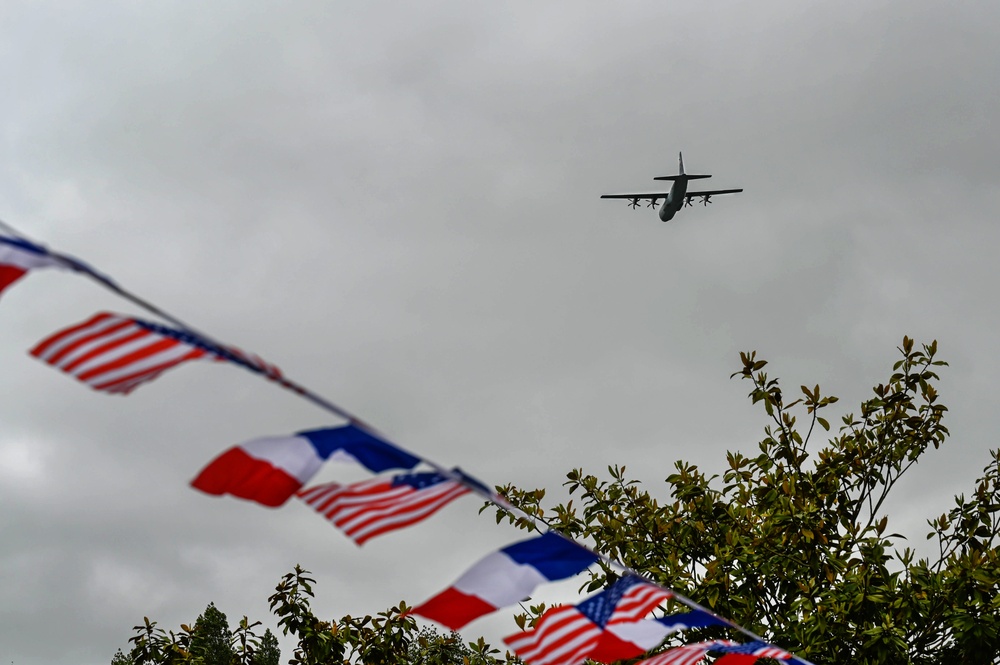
column 674, row 201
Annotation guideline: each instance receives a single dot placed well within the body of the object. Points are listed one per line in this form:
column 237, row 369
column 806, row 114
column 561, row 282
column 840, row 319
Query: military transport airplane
column 677, row 197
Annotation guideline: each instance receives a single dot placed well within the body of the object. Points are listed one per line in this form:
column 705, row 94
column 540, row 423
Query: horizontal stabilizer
column 682, row 176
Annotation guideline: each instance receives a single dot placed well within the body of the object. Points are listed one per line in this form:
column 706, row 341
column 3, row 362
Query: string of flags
column 115, row 354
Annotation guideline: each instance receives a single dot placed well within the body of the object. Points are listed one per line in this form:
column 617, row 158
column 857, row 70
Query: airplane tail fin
column 682, row 175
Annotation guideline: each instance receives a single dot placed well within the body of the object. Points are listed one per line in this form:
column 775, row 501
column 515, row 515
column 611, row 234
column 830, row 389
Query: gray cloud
column 399, row 207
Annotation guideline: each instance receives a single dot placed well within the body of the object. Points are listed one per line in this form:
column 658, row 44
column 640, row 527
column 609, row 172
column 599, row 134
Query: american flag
column 694, row 653
column 758, row 649
column 115, row 353
column 565, row 635
column 689, row 654
column 373, row 507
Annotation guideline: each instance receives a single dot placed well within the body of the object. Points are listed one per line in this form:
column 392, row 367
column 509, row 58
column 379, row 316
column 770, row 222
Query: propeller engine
column 634, row 203
column 652, row 203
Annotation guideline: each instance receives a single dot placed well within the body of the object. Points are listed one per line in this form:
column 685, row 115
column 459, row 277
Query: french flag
column 506, row 577
column 628, row 640
column 18, row 257
column 271, row 470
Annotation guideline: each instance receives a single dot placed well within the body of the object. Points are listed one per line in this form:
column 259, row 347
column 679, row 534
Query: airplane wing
column 713, row 192
column 647, row 195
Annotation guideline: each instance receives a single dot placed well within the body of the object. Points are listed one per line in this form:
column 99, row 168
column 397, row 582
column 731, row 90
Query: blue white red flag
column 566, row 635
column 374, row 507
column 506, row 577
column 271, row 470
column 18, row 256
column 628, row 640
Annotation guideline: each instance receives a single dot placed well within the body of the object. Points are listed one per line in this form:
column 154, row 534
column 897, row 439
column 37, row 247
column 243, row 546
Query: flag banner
column 629, row 640
column 271, row 470
column 566, row 635
column 374, row 507
column 18, row 256
column 115, row 354
column 505, row 577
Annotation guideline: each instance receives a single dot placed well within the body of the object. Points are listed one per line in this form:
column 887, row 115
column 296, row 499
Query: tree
column 792, row 543
column 389, row 638
column 268, row 652
column 210, row 642
column 211, row 639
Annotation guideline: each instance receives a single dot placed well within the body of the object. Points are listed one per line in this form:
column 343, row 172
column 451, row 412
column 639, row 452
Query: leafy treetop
column 792, row 543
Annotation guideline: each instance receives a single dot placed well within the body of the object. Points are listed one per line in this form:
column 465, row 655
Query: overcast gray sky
column 398, row 204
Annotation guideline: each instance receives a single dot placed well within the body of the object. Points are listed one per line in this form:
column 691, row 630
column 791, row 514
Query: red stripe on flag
column 398, row 513
column 115, row 354
column 371, row 508
column 9, row 275
column 42, row 348
column 115, row 361
column 638, row 602
column 453, row 609
column 129, row 382
column 738, row 659
column 560, row 632
column 237, row 473
column 686, row 655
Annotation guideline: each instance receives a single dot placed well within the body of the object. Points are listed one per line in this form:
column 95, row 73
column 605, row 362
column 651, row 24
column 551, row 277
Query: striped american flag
column 114, row 353
column 567, row 634
column 758, row 649
column 692, row 654
column 374, row 507
column 689, row 654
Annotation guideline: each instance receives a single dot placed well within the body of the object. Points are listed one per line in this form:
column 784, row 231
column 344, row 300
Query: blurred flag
column 373, row 507
column 566, row 635
column 689, row 654
column 736, row 659
column 736, row 653
column 757, row 649
column 251, row 361
column 115, row 354
column 506, row 577
column 17, row 257
column 271, row 470
column 628, row 640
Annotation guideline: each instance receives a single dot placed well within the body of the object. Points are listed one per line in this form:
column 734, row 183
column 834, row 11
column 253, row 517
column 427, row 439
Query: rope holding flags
column 115, row 354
